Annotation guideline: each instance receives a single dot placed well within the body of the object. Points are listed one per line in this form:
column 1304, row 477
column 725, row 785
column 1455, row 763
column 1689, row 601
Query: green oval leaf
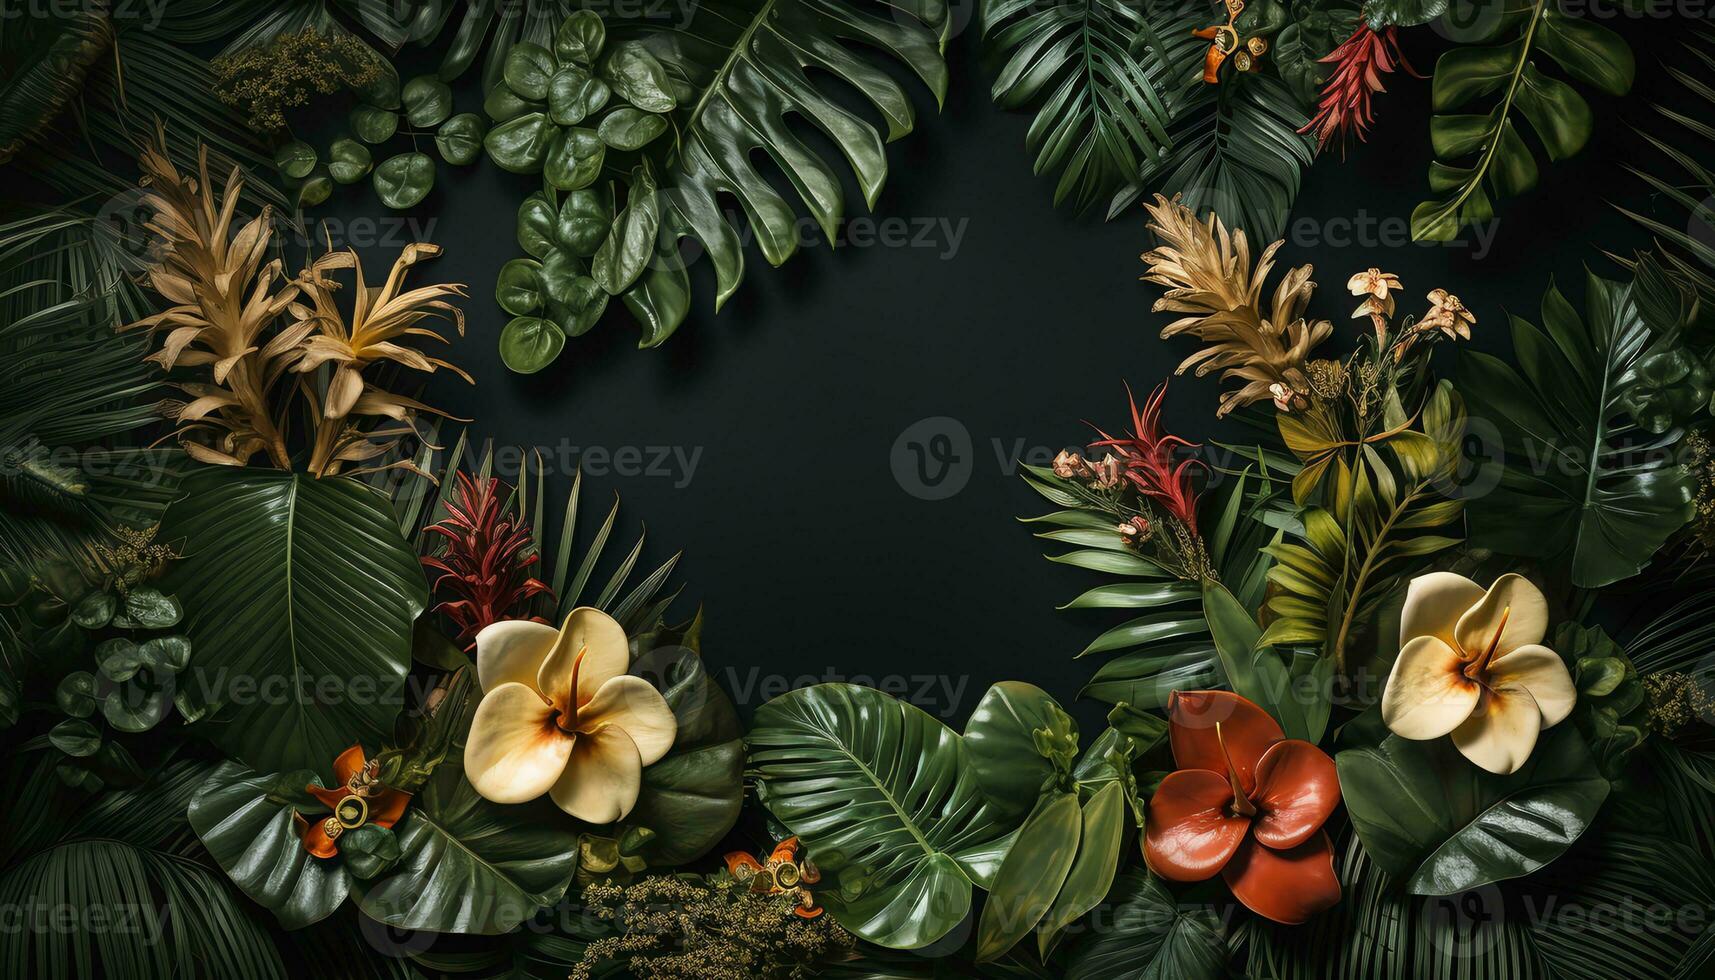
column 575, row 94
column 460, row 138
column 638, row 78
column 627, row 128
column 95, row 610
column 574, row 159
column 530, row 343
column 536, row 221
column 1092, row 872
column 502, row 104
column 528, row 68
column 1030, row 877
column 580, row 38
column 75, row 737
column 521, row 144
column 1001, row 736
column 75, row 694
column 374, row 125
column 166, row 654
column 316, row 188
column 428, row 101
column 134, row 707
column 149, row 608
column 403, row 181
column 576, row 304
column 584, row 221
column 627, row 250
column 518, row 288
column 295, row 159
column 119, row 659
column 348, row 160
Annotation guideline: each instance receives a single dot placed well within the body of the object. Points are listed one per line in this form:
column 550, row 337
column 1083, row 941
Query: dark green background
column 810, row 557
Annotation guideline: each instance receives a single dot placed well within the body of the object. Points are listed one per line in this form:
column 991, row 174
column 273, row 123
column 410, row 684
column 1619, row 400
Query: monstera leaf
column 300, row 594
column 245, row 820
column 1573, row 486
column 468, row 865
column 1103, row 104
column 886, row 801
column 1497, row 158
column 737, row 71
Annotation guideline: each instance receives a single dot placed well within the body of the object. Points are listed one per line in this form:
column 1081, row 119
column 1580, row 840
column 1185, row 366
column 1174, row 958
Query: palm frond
column 1103, row 99
column 1237, row 152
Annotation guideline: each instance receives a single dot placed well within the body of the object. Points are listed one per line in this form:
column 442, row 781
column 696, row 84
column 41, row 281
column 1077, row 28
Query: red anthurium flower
column 360, row 798
column 1248, row 803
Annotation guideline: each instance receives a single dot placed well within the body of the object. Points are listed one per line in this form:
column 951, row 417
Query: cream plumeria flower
column 560, row 715
column 1473, row 665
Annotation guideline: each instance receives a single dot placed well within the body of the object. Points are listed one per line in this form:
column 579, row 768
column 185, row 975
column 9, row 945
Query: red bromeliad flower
column 1248, row 803
column 1150, row 464
column 485, row 565
column 1359, row 64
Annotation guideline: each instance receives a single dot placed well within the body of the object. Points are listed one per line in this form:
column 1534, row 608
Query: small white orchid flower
column 560, row 715
column 1472, row 665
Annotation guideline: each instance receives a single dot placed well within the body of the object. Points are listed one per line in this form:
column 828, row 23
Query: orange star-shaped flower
column 359, row 799
column 785, row 873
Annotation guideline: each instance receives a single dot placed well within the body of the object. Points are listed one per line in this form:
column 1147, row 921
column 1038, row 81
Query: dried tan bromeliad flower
column 1209, row 277
column 225, row 297
column 380, row 316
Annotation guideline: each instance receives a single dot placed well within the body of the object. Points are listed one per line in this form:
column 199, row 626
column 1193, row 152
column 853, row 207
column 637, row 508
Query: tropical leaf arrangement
column 302, row 678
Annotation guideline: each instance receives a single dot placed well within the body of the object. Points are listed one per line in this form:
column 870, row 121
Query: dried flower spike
column 486, row 563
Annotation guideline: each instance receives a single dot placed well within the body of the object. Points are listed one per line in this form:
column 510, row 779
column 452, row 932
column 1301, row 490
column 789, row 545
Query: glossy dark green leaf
column 244, row 819
column 297, row 587
column 883, row 796
column 349, row 161
column 374, row 125
column 536, row 225
column 460, row 138
column 585, row 218
column 75, row 737
column 1005, row 748
column 468, row 865
column 576, row 303
column 384, row 90
column 580, row 38
column 529, row 343
column 638, row 77
column 1030, row 878
column 403, row 181
column 149, row 608
column 316, row 188
column 428, row 101
column 628, row 249
column 165, row 654
column 135, row 706
column 627, row 128
column 528, row 68
column 75, row 695
column 574, row 158
column 119, row 659
column 1443, row 825
column 369, row 850
column 1150, row 937
column 574, row 94
column 1403, row 13
column 502, row 104
column 295, row 159
column 518, row 287
column 95, row 610
column 1092, row 872
column 521, row 144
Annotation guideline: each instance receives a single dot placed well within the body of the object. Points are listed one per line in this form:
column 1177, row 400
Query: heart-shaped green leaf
column 584, row 221
column 1001, row 736
column 521, row 144
column 528, row 68
column 428, row 101
column 348, row 160
column 530, row 343
column 576, row 303
column 95, row 610
column 518, row 288
column 536, row 224
column 502, row 104
column 574, row 94
column 574, row 158
column 627, row 128
column 135, row 706
column 75, row 737
column 166, row 654
column 580, row 37
column 373, row 124
column 628, row 249
column 119, row 659
column 460, row 138
column 149, row 609
column 403, row 181
column 637, row 77
column 295, row 159
column 75, row 694
column 316, row 188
